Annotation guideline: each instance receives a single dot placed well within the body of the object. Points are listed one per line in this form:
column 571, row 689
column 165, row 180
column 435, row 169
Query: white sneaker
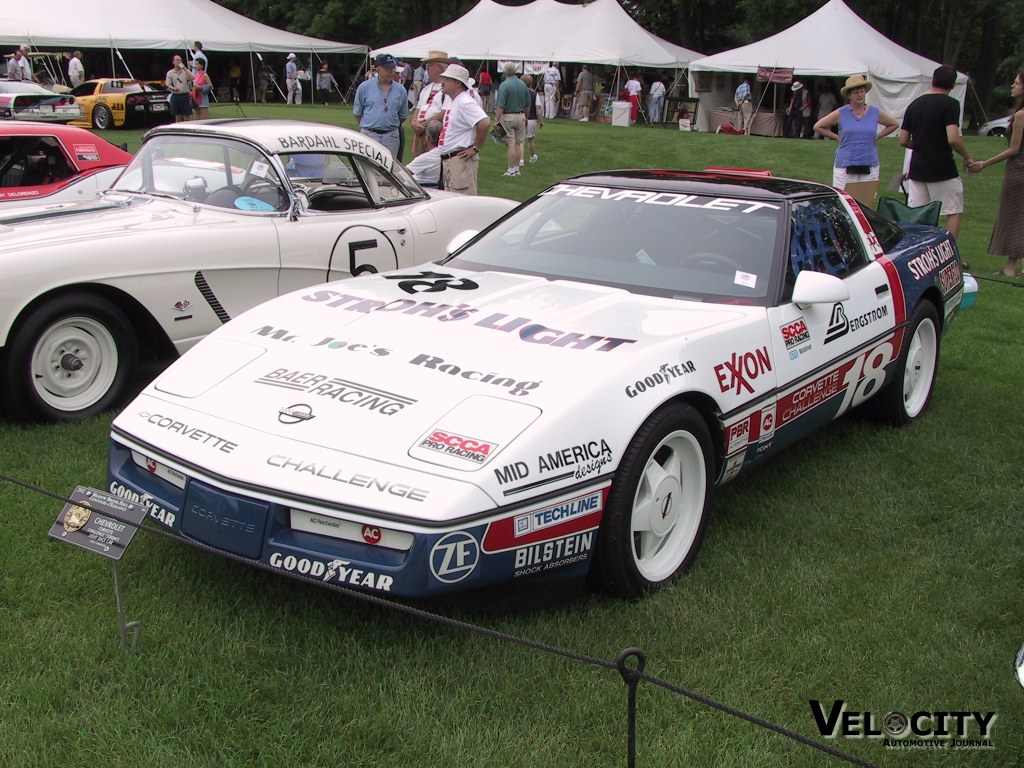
column 521, row 163
column 533, row 158
column 511, row 172
column 584, row 119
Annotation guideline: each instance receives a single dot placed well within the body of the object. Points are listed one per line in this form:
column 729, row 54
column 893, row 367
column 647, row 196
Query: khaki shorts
column 460, row 175
column 950, row 192
column 515, row 128
column 585, row 98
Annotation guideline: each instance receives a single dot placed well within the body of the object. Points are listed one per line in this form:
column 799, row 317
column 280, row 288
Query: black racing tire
column 70, row 359
column 659, row 503
column 101, row 118
column 906, row 397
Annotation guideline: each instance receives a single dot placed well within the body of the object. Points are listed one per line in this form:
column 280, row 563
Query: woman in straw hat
column 855, row 127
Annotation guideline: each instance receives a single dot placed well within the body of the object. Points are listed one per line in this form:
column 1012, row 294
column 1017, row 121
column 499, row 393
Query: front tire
column 658, row 507
column 101, row 118
column 70, row 359
column 906, row 397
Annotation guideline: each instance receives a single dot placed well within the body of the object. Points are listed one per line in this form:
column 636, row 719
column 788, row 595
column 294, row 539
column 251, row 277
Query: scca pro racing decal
column 526, row 329
column 470, row 449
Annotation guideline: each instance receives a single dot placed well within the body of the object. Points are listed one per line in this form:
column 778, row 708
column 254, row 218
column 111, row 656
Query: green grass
column 874, row 565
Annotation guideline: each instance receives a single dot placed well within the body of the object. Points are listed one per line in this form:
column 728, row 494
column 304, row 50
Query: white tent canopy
column 831, row 42
column 131, row 24
column 600, row 32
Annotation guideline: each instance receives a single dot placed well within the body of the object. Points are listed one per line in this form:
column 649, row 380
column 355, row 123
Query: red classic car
column 43, row 162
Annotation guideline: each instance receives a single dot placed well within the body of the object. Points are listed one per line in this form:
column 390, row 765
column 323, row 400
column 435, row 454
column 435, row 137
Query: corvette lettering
column 525, row 328
column 923, row 265
column 190, row 431
column 339, row 390
column 339, row 571
column 660, row 198
column 737, row 372
column 514, row 386
column 468, row 448
column 338, row 475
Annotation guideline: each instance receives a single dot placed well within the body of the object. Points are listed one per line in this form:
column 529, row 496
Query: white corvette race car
column 558, row 398
column 209, row 219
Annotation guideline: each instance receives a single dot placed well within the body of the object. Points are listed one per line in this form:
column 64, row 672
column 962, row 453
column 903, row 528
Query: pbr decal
column 337, row 571
column 515, row 386
column 665, row 374
column 454, row 557
column 526, row 329
column 923, row 265
column 737, row 435
column 739, row 370
column 469, row 448
column 340, row 390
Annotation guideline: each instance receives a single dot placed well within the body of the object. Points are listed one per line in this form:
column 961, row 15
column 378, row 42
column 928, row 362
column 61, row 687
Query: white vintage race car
column 558, row 398
column 209, row 219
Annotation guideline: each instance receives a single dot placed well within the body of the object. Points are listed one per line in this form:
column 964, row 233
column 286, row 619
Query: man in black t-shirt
column 931, row 127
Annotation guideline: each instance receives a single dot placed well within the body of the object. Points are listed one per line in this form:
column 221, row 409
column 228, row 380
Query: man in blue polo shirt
column 381, row 104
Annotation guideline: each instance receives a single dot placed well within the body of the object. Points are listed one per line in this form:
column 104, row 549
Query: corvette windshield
column 200, row 169
column 662, row 243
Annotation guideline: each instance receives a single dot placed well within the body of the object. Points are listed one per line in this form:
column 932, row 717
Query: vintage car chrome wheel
column 907, row 396
column 101, row 118
column 658, row 507
column 71, row 359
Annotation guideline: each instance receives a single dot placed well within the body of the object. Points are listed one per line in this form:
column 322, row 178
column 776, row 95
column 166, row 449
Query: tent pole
column 252, row 76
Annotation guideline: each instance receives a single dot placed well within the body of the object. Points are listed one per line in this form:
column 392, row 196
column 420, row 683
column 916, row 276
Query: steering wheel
column 712, row 259
column 257, row 184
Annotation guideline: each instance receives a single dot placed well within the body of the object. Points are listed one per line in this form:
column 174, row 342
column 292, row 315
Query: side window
column 32, row 162
column 823, row 239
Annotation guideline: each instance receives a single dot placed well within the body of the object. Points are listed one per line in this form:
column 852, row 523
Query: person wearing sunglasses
column 381, row 104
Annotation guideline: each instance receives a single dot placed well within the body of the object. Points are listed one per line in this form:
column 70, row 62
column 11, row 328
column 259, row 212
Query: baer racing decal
column 340, row 390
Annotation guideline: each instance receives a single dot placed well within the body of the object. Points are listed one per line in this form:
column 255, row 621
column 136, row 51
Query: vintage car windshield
column 200, row 169
column 662, row 243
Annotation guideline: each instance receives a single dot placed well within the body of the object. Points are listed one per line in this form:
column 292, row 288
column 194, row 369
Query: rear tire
column 906, row 397
column 658, row 506
column 101, row 118
column 71, row 358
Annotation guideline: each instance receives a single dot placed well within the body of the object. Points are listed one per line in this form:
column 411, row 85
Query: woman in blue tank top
column 855, row 127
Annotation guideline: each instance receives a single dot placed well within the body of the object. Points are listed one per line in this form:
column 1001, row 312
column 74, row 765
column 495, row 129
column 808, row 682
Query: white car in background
column 209, row 219
column 997, row 127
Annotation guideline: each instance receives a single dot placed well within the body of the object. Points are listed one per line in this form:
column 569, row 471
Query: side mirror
column 461, row 239
column 818, row 288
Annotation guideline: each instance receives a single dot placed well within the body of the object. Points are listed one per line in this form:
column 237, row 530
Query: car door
column 350, row 220
column 831, row 355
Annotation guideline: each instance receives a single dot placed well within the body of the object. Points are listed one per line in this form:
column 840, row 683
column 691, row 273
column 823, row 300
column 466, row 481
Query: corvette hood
column 440, row 374
column 113, row 215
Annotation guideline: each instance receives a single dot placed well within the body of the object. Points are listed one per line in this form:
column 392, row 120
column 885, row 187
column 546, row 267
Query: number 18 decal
column 865, row 375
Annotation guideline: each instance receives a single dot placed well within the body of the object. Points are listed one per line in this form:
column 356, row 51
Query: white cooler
column 620, row 113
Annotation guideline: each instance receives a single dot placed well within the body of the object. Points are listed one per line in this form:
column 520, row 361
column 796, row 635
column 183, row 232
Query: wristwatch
column 476, row 148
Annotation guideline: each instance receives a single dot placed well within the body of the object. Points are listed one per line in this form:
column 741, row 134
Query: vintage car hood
column 112, row 215
column 454, row 383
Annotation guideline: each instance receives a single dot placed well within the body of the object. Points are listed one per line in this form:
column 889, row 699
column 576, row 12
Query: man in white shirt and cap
column 464, row 133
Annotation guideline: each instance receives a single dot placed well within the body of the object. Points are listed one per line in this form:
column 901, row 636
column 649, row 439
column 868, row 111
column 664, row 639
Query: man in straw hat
column 464, row 133
column 931, row 127
column 432, row 102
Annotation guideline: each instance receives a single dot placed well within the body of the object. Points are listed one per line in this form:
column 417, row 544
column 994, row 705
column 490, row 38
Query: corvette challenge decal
column 523, row 327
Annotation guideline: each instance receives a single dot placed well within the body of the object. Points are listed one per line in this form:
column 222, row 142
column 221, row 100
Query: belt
column 513, row 113
column 380, row 130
